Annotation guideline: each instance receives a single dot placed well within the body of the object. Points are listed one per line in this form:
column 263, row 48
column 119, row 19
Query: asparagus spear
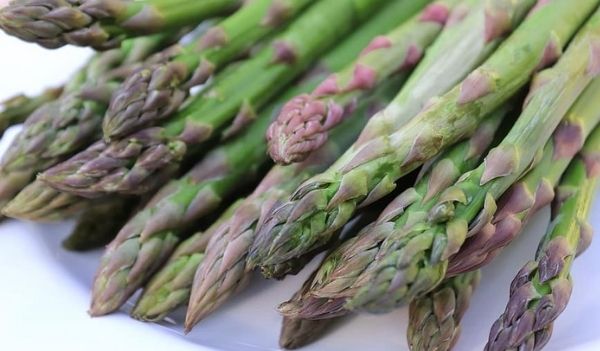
column 107, row 168
column 223, row 272
column 156, row 91
column 16, row 109
column 434, row 319
column 40, row 203
column 60, row 128
column 297, row 332
column 170, row 287
column 98, row 224
column 535, row 189
column 541, row 290
column 303, row 123
column 102, row 24
column 341, row 270
column 369, row 169
column 413, row 263
column 459, row 48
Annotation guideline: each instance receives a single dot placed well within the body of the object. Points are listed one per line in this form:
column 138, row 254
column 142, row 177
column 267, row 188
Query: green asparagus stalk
column 223, row 273
column 535, row 190
column 151, row 235
column 170, row 287
column 369, row 169
column 464, row 208
column 157, row 91
column 434, row 319
column 303, row 123
column 16, row 109
column 541, row 290
column 58, row 129
column 98, row 224
column 40, row 203
column 106, row 168
column 457, row 51
column 341, row 270
column 102, row 24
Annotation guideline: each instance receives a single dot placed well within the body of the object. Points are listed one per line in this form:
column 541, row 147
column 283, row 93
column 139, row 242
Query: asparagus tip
column 301, row 128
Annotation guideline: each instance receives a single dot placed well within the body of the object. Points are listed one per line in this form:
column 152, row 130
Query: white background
column 44, row 291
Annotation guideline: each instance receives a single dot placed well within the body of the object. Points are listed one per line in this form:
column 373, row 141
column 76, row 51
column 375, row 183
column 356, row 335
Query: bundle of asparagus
column 155, row 139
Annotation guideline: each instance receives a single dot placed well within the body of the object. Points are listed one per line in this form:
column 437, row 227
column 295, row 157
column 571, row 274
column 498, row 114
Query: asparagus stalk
column 465, row 207
column 16, row 109
column 340, row 271
column 151, row 235
column 434, row 319
column 369, row 169
column 106, row 168
column 535, row 190
column 40, row 203
column 541, row 290
column 458, row 50
column 156, row 91
column 303, row 123
column 58, row 129
column 170, row 287
column 102, row 24
column 98, row 224
column 223, row 273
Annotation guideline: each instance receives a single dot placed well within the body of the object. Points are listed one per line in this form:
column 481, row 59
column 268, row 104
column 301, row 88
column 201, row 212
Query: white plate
column 44, row 290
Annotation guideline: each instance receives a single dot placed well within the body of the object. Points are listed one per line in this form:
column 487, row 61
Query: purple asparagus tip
column 301, row 127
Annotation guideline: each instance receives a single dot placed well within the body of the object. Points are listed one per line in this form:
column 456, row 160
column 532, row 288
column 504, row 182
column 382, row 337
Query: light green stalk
column 542, row 288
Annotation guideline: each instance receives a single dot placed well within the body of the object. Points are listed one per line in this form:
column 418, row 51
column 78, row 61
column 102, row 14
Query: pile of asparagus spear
column 207, row 139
